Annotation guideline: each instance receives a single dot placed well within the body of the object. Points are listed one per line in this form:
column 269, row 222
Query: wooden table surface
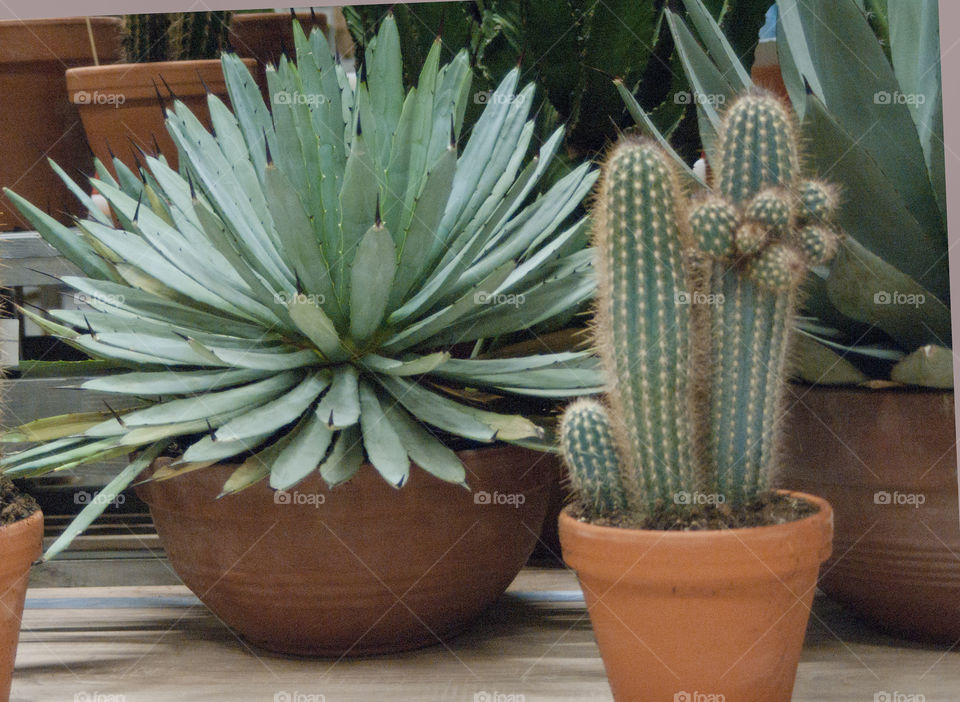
column 158, row 644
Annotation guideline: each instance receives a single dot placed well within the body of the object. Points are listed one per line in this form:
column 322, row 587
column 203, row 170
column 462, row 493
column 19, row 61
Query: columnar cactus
column 695, row 305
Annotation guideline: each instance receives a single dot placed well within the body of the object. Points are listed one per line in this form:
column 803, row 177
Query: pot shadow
column 511, row 625
column 831, row 620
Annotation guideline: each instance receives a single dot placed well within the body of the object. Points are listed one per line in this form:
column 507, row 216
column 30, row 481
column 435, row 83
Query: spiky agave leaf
column 297, row 289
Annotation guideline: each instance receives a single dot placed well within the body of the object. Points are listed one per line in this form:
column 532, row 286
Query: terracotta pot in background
column 887, row 462
column 119, row 106
column 265, row 36
column 20, row 545
column 37, row 121
column 359, row 569
column 713, row 613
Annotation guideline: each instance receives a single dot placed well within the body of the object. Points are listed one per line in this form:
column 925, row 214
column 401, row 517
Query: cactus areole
column 696, row 299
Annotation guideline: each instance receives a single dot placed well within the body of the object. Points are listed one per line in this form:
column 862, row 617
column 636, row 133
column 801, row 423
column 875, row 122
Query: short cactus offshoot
column 695, row 305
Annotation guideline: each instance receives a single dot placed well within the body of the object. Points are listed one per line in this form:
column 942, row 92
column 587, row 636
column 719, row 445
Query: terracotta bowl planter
column 37, row 121
column 20, row 545
column 360, row 569
column 118, row 104
column 719, row 614
column 887, row 462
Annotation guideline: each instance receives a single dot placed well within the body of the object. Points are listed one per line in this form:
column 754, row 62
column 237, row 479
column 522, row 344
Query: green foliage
column 572, row 48
column 863, row 77
column 177, row 36
column 302, row 289
column 695, row 341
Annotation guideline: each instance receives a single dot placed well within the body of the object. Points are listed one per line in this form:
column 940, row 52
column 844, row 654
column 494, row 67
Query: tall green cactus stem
column 643, row 318
column 591, row 455
column 757, row 156
column 694, row 316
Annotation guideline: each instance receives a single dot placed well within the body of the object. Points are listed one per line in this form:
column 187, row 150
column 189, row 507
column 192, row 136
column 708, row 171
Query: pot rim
column 679, row 535
column 53, row 21
column 860, row 390
column 718, row 554
column 84, row 72
column 11, row 534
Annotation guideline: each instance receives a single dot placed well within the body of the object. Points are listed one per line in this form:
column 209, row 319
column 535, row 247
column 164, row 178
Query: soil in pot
column 122, row 113
column 37, row 120
column 679, row 614
column 359, row 569
column 21, row 533
column 887, row 462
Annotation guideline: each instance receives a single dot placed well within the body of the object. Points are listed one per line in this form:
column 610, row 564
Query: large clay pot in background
column 721, row 614
column 20, row 545
column 120, row 108
column 37, row 121
column 359, row 569
column 887, row 462
column 265, row 36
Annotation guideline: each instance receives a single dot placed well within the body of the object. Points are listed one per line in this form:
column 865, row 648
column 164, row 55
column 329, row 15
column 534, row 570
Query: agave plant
column 571, row 48
column 874, row 124
column 293, row 294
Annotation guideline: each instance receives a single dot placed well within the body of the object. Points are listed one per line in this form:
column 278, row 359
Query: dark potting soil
column 768, row 509
column 14, row 505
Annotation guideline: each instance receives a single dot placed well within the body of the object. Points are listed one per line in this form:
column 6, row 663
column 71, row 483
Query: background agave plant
column 871, row 118
column 294, row 293
column 572, row 48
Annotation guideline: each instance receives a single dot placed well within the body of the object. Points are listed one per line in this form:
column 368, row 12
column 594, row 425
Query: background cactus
column 694, row 314
column 178, row 36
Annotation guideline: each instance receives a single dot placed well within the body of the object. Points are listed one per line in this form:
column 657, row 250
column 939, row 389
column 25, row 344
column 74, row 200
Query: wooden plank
column 154, row 644
column 29, row 260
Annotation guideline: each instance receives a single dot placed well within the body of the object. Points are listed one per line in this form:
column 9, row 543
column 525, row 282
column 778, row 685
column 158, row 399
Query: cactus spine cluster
column 695, row 305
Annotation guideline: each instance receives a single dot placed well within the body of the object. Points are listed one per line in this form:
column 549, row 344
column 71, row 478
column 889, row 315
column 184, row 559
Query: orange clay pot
column 120, row 110
column 359, row 569
column 37, row 121
column 711, row 615
column 20, row 545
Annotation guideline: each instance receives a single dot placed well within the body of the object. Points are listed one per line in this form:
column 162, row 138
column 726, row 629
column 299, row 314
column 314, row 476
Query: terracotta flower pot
column 37, row 121
column 118, row 104
column 360, row 569
column 686, row 615
column 20, row 545
column 887, row 462
column 265, row 36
